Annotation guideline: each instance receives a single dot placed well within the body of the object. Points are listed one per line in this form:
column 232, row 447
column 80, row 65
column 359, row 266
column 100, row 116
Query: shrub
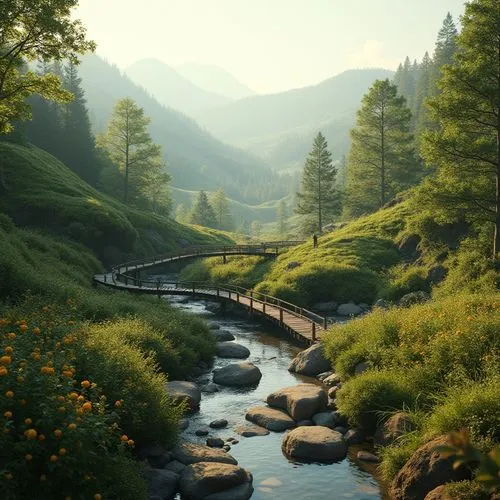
column 405, row 280
column 466, row 490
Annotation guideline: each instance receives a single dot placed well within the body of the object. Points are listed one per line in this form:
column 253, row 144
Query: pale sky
column 269, row 45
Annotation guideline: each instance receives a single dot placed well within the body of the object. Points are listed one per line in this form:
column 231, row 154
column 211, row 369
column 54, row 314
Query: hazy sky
column 270, row 45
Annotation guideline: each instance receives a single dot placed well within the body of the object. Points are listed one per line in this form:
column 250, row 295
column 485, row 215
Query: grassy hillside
column 44, row 193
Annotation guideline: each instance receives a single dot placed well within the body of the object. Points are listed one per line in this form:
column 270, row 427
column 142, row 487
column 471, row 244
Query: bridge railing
column 271, row 247
column 316, row 321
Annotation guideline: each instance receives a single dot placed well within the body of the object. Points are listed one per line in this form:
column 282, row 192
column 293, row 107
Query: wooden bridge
column 302, row 324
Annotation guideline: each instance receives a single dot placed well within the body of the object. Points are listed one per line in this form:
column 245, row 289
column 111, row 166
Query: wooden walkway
column 302, row 324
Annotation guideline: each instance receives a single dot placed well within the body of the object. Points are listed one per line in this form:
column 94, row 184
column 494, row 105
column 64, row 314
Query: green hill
column 44, row 194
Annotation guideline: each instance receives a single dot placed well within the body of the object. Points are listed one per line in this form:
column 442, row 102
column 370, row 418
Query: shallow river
column 274, row 476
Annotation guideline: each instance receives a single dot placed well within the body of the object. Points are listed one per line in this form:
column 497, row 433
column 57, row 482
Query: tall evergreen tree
column 202, row 212
column 421, row 92
column 318, row 199
column 382, row 157
column 282, row 219
column 221, row 209
column 182, row 214
column 466, row 146
column 128, row 143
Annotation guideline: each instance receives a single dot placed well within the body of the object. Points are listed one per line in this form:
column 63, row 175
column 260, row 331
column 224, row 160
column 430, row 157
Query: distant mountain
column 196, row 159
column 279, row 127
column 170, row 88
column 214, row 79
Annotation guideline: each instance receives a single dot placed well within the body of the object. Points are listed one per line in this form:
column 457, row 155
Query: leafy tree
column 156, row 190
column 319, row 197
column 256, row 228
column 182, row 214
column 382, row 158
column 221, row 209
column 29, row 31
column 282, row 219
column 466, row 146
column 129, row 144
column 202, row 212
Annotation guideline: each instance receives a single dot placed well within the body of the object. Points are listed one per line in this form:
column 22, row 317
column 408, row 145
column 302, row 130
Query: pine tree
column 466, row 145
column 421, row 92
column 128, row 143
column 221, row 209
column 202, row 212
column 319, row 198
column 182, row 214
column 382, row 157
column 282, row 219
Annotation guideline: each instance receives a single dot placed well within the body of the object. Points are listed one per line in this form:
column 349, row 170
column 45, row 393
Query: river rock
column 201, row 432
column 340, row 429
column 324, row 419
column 439, row 493
column 310, row 362
column 223, row 335
column 213, row 326
column 325, row 307
column 339, row 418
column 210, row 388
column 367, row 456
column 215, row 481
column 218, row 424
column 413, row 298
column 305, row 423
column 354, row 436
column 300, row 401
column 237, row 374
column 323, row 375
column 381, row 304
column 270, row 418
column 251, row 430
column 314, row 443
column 396, row 426
column 332, row 392
column 182, row 391
column 332, row 380
column 424, row 471
column 349, row 309
column 175, row 466
column 215, row 442
column 161, row 483
column 190, row 453
column 232, row 350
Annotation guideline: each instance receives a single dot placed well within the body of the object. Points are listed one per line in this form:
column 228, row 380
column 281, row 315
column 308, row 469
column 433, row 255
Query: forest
column 379, row 188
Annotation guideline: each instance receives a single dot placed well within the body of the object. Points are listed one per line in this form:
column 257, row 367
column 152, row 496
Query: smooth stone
column 393, row 428
column 314, row 443
column 223, row 335
column 324, row 419
column 323, row 375
column 181, row 391
column 161, row 483
column 231, row 350
column 332, row 392
column 226, row 447
column 237, row 374
column 339, row 418
column 332, row 380
column 210, row 388
column 367, row 456
column 354, row 436
column 301, row 401
column 305, row 423
column 215, row 442
column 251, row 430
column 213, row 326
column 203, row 480
column 201, row 432
column 273, row 482
column 270, row 418
column 310, row 362
column 218, row 424
column 175, row 466
column 340, row 429
column 190, row 453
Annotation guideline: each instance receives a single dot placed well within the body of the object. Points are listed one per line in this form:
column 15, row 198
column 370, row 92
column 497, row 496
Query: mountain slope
column 170, row 88
column 196, row 159
column 214, row 79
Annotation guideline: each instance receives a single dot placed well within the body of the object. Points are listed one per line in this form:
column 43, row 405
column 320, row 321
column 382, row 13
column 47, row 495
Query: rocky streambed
column 270, row 433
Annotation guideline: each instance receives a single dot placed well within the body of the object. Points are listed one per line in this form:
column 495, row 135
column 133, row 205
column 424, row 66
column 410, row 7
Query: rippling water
column 274, row 475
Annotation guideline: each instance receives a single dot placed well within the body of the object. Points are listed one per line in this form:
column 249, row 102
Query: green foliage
column 318, row 199
column 220, row 206
column 56, row 36
column 466, row 490
column 404, row 280
column 202, row 212
column 382, row 159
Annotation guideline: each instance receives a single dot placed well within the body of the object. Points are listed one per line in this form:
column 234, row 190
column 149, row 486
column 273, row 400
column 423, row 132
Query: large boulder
column 300, row 401
column 161, row 483
column 215, row 481
column 413, row 298
column 182, row 391
column 392, row 429
column 223, row 335
column 425, row 470
column 237, row 374
column 270, row 418
column 325, row 419
column 349, row 309
column 232, row 350
column 314, row 443
column 190, row 453
column 310, row 362
column 409, row 247
column 250, row 430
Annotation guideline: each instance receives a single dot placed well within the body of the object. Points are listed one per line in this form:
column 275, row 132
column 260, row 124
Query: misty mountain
column 214, row 79
column 170, row 88
column 196, row 160
column 280, row 127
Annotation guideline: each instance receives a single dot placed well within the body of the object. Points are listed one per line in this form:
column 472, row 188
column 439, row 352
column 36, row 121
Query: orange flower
column 9, row 394
column 31, row 434
column 61, row 399
column 28, row 421
column 85, row 384
column 124, row 438
column 28, row 457
column 67, row 373
column 8, row 350
column 36, row 330
column 97, row 496
column 87, row 406
column 62, row 452
column 73, row 396
column 5, row 360
column 58, row 433
column 11, row 336
column 23, row 327
column 3, row 371
column 53, row 458
column 20, row 379
column 118, row 404
column 130, row 442
column 41, row 437
column 72, row 427
column 8, row 414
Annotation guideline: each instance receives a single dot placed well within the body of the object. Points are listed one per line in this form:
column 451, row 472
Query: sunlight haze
column 269, row 45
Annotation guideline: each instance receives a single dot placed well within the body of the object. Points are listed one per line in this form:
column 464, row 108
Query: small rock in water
column 324, row 419
column 354, row 436
column 323, row 375
column 215, row 442
column 201, row 432
column 210, row 388
column 223, row 335
column 226, row 447
column 340, row 429
column 183, row 424
column 175, row 466
column 251, row 430
column 213, row 326
column 218, row 424
column 271, row 481
column 367, row 457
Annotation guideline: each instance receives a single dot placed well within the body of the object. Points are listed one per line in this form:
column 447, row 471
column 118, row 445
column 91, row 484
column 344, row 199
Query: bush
column 466, row 490
column 366, row 399
column 60, row 436
column 403, row 281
